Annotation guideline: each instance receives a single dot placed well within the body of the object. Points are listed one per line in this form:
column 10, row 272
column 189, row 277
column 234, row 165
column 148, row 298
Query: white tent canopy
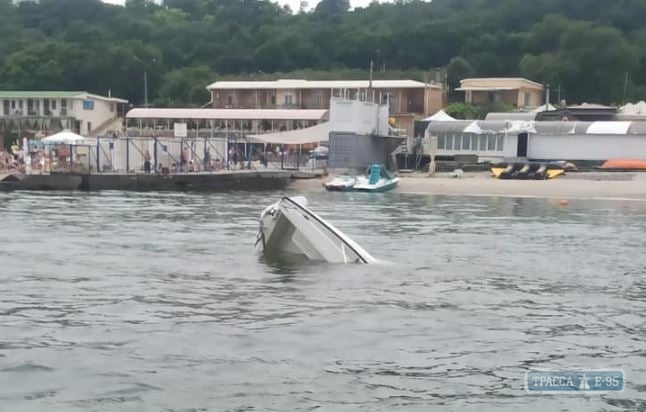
column 630, row 109
column 318, row 133
column 473, row 128
column 612, row 127
column 544, row 108
column 440, row 116
column 64, row 137
column 519, row 126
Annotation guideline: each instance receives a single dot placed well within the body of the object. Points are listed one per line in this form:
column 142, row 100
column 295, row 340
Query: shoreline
column 617, row 186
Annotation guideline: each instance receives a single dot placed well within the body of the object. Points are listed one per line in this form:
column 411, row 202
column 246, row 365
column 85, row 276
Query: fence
column 166, row 155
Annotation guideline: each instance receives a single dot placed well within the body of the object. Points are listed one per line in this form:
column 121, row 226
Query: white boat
column 340, row 184
column 378, row 180
column 289, row 227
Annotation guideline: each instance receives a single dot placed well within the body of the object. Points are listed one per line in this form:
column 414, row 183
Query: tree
column 332, row 7
column 186, row 87
column 458, row 68
column 585, row 46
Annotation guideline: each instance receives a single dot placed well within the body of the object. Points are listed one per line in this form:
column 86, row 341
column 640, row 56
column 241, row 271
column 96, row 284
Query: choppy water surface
column 126, row 301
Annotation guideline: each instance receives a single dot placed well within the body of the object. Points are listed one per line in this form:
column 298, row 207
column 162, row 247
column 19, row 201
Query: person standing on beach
column 207, row 160
column 183, row 160
column 234, row 158
column 146, row 161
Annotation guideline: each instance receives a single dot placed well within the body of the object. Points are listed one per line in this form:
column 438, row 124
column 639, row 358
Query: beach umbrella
column 64, row 137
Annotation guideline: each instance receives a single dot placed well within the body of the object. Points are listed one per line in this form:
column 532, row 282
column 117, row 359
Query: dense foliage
column 590, row 50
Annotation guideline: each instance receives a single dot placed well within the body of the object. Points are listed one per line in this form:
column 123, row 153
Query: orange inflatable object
column 624, row 164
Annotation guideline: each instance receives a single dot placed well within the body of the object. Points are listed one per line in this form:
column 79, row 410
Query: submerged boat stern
column 289, row 227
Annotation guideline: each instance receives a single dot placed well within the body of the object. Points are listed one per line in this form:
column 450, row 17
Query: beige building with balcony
column 408, row 100
column 516, row 91
column 51, row 111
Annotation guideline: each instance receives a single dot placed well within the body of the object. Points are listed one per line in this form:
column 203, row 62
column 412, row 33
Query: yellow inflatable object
column 392, row 121
column 497, row 171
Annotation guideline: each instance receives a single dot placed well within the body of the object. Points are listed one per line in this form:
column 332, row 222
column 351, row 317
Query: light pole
column 145, row 88
column 145, row 77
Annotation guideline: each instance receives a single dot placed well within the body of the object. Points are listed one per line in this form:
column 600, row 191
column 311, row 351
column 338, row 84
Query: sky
column 293, row 4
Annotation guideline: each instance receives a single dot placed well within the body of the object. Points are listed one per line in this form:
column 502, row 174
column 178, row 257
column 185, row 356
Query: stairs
column 110, row 125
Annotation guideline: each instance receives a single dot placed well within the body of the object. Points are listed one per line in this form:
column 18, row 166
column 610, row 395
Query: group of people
column 186, row 164
column 16, row 160
column 9, row 162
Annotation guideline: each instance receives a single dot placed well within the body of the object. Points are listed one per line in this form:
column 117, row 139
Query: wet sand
column 585, row 185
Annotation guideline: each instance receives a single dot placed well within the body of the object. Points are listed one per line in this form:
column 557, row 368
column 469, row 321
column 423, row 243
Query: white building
column 496, row 140
column 50, row 111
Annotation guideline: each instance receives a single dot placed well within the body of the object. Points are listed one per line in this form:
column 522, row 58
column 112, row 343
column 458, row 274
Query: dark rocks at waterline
column 233, row 180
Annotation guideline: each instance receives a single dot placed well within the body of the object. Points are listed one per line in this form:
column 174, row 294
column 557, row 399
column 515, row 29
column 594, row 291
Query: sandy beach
column 584, row 185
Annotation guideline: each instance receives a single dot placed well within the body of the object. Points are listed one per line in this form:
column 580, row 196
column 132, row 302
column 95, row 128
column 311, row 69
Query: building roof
column 549, row 128
column 497, row 83
column 227, row 114
column 318, row 84
column 318, row 133
column 21, row 94
column 590, row 106
column 526, row 116
column 485, row 89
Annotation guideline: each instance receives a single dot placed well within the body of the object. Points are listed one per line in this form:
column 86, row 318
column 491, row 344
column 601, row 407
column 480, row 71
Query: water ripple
column 148, row 301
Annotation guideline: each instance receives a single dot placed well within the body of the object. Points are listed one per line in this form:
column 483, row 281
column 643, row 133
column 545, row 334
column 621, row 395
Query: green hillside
column 594, row 50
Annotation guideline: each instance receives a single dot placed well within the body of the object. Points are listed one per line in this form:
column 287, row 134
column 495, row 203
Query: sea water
column 156, row 301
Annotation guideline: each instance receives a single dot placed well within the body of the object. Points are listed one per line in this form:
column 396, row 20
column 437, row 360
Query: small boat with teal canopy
column 379, row 180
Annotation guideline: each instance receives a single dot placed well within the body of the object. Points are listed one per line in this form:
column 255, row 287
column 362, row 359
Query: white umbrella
column 440, row 116
column 64, row 137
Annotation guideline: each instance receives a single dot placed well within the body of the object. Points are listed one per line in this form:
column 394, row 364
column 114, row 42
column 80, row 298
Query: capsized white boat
column 340, row 184
column 378, row 180
column 288, row 226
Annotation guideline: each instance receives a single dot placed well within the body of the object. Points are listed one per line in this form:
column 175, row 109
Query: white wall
column 358, row 117
column 102, row 112
column 587, row 147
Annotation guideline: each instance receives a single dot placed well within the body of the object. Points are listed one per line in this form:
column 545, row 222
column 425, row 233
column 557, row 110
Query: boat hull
column 289, row 227
column 624, row 164
column 382, row 185
column 340, row 184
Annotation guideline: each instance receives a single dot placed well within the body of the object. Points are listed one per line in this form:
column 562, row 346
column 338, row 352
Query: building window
column 441, row 139
column 318, row 100
column 527, row 102
column 449, row 142
column 457, row 142
column 53, row 104
column 491, row 143
column 229, row 100
column 474, row 143
column 500, row 142
column 13, row 104
column 483, row 143
column 466, row 142
column 288, row 100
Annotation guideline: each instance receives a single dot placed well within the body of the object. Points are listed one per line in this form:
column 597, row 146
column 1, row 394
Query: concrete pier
column 220, row 181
